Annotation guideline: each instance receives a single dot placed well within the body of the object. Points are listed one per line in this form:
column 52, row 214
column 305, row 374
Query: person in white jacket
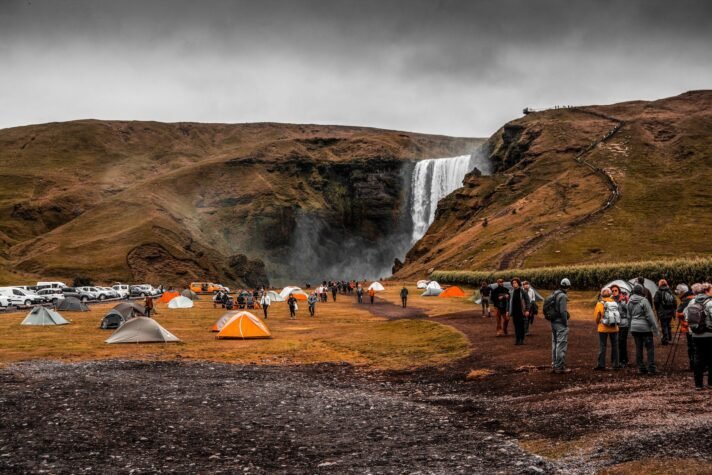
column 265, row 302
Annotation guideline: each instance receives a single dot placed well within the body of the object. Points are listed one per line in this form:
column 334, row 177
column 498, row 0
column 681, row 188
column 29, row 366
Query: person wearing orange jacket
column 371, row 294
column 686, row 296
column 607, row 316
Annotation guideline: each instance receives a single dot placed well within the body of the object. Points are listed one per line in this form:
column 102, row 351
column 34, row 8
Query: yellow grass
column 340, row 332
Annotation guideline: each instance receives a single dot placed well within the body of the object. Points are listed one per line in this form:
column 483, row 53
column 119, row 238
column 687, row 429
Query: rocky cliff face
column 171, row 203
column 587, row 184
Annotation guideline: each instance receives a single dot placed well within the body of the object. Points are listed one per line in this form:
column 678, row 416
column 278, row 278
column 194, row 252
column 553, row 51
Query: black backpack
column 551, row 309
column 668, row 299
column 697, row 317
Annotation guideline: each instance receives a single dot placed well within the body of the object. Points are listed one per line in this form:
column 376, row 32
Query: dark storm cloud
column 460, row 68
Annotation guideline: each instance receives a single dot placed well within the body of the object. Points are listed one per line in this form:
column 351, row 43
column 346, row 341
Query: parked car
column 53, row 295
column 110, row 293
column 4, row 301
column 82, row 295
column 207, row 288
column 143, row 290
column 52, row 285
column 121, row 289
column 18, row 296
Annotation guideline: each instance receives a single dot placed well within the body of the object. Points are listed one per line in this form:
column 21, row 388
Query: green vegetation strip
column 590, row 276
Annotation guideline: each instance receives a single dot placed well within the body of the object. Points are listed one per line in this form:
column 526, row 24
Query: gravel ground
column 121, row 416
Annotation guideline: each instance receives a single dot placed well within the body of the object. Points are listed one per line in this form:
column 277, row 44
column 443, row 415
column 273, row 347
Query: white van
column 51, row 285
column 18, row 296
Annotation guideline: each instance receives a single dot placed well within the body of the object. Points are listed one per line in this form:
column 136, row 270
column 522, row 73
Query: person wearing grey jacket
column 560, row 330
column 702, row 335
column 642, row 326
column 622, row 300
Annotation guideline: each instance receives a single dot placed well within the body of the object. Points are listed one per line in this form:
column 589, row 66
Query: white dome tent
column 432, row 290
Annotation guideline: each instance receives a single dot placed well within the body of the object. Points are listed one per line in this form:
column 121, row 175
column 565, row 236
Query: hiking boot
column 599, row 368
column 699, row 388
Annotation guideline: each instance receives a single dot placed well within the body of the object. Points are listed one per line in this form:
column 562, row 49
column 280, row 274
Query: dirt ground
column 176, row 416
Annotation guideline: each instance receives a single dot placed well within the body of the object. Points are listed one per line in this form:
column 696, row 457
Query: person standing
column 607, row 316
column 686, row 296
column 533, row 309
column 149, row 305
column 519, row 310
column 371, row 295
column 404, row 296
column 292, row 304
column 334, row 290
column 359, row 293
column 643, row 327
column 311, row 300
column 646, row 293
column 500, row 298
column 698, row 315
column 624, row 326
column 665, row 306
column 485, row 293
column 265, row 302
column 557, row 312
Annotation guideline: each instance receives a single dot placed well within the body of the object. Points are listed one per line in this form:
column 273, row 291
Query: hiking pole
column 672, row 352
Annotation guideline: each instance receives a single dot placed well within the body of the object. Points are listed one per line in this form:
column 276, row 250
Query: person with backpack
column 404, row 296
column 665, row 305
column 292, row 304
column 698, row 315
column 621, row 299
column 485, row 292
column 556, row 311
column 519, row 310
column 686, row 296
column 643, row 327
column 608, row 317
column 311, row 301
column 265, row 302
column 500, row 298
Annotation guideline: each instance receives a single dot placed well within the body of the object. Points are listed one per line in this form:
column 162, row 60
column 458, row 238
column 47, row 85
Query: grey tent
column 649, row 284
column 124, row 308
column 72, row 304
column 433, row 289
column 141, row 330
column 43, row 316
column 625, row 287
column 508, row 285
column 190, row 294
column 121, row 314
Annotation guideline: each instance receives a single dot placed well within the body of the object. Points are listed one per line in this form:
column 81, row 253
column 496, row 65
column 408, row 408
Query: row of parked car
column 53, row 292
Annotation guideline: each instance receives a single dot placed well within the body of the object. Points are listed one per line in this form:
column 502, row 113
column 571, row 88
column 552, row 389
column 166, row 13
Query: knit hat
column 565, row 283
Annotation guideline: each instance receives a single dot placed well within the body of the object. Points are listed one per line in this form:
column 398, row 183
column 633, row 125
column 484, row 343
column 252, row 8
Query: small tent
column 168, row 296
column 43, row 316
column 649, row 284
column 180, row 302
column 452, row 291
column 121, row 314
column 187, row 293
column 274, row 296
column 298, row 293
column 432, row 290
column 377, row 286
column 244, row 325
column 623, row 285
column 72, row 304
column 130, row 307
column 422, row 284
column 141, row 330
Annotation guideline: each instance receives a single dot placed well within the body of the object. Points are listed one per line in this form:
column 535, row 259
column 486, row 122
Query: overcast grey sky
column 451, row 67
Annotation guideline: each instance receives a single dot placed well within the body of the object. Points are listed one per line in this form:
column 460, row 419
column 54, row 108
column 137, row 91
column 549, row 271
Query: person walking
column 311, row 300
column 334, row 290
column 265, row 302
column 519, row 310
column 148, row 303
column 533, row 309
column 359, row 293
column 371, row 295
column 665, row 305
column 485, row 293
column 404, row 296
column 643, row 327
column 500, row 298
column 624, row 326
column 686, row 296
column 698, row 315
column 292, row 304
column 557, row 312
column 607, row 316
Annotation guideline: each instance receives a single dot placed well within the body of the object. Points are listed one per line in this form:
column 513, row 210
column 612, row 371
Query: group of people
column 517, row 304
column 617, row 314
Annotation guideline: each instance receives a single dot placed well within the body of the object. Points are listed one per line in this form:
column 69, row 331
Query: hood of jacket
column 700, row 298
column 635, row 298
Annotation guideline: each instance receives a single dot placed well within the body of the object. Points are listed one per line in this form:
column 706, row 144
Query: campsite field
column 341, row 332
column 370, row 388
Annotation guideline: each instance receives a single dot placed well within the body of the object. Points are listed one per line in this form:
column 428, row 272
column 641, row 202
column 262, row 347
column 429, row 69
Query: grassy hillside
column 542, row 207
column 177, row 202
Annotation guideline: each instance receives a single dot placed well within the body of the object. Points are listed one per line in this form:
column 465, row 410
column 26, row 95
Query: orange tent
column 244, row 325
column 453, row 291
column 300, row 296
column 168, row 296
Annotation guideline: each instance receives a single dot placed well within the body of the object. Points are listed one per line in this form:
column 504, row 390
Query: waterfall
column 435, row 178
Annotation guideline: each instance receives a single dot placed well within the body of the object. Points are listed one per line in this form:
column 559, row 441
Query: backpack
column 611, row 315
column 667, row 299
column 697, row 317
column 551, row 309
